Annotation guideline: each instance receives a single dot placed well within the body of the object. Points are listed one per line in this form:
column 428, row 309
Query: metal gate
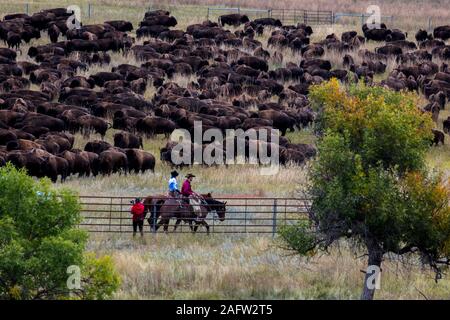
column 286, row 16
column 309, row 17
column 248, row 215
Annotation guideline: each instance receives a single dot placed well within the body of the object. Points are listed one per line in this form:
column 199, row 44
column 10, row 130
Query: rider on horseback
column 192, row 198
column 173, row 184
column 173, row 187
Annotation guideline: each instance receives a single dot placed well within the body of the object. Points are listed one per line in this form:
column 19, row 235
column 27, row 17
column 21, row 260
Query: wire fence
column 309, row 17
column 244, row 215
column 286, row 16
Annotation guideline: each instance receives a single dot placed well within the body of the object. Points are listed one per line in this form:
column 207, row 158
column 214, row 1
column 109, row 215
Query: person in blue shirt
column 173, row 185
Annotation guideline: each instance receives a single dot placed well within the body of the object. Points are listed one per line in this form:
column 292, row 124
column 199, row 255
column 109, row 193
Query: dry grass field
column 185, row 266
column 250, row 267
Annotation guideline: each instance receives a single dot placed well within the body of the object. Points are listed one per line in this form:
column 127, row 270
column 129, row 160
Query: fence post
column 89, row 11
column 110, row 212
column 27, row 8
column 207, row 15
column 274, row 218
column 153, row 217
column 285, row 211
column 429, row 24
column 245, row 217
column 120, row 215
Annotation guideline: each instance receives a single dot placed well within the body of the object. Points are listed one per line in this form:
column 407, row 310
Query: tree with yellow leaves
column 370, row 184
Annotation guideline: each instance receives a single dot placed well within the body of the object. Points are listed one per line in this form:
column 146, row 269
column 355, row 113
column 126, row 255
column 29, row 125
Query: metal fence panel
column 244, row 215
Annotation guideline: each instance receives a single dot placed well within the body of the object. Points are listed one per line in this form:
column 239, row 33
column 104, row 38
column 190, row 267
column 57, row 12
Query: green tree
column 369, row 183
column 39, row 240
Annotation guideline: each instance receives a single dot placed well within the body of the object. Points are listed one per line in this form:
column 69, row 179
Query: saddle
column 195, row 203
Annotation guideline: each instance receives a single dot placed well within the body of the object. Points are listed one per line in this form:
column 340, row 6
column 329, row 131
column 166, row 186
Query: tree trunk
column 374, row 265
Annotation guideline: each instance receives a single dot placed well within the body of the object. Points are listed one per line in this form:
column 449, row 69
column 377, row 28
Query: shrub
column 39, row 240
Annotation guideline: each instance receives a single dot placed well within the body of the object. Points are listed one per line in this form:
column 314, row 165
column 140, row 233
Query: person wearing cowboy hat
column 186, row 189
column 192, row 198
column 173, row 184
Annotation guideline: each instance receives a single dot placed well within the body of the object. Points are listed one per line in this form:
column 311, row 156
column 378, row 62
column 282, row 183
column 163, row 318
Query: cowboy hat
column 190, row 175
column 174, row 173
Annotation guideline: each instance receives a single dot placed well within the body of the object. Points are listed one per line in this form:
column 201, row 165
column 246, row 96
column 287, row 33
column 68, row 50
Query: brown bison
column 140, row 161
column 234, row 19
column 127, row 140
column 152, row 125
column 111, row 161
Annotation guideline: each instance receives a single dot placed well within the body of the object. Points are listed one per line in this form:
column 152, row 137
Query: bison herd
column 236, row 80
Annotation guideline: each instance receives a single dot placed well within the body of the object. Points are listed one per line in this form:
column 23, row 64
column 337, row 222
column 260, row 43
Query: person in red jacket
column 137, row 210
column 191, row 197
column 186, row 189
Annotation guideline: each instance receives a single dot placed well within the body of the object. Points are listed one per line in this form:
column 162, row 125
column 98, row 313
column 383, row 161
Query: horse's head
column 215, row 205
column 220, row 208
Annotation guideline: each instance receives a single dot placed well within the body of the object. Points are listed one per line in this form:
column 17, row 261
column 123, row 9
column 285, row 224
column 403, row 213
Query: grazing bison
column 438, row 137
column 442, row 32
column 97, row 146
column 127, row 140
column 55, row 166
column 234, row 19
column 140, row 161
column 6, row 136
column 280, row 120
column 152, row 125
column 421, row 35
column 376, row 34
column 291, row 156
column 161, row 20
column 111, row 161
column 389, row 50
column 30, row 161
column 22, row 144
column 254, row 62
column 120, row 25
column 446, row 125
column 268, row 22
column 88, row 123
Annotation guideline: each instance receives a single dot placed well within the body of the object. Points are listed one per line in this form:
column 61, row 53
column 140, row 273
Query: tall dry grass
column 232, row 267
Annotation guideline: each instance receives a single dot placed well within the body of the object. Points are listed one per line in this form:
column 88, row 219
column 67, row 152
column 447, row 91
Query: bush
column 39, row 240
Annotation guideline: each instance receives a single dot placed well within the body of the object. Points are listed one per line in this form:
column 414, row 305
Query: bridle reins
column 212, row 207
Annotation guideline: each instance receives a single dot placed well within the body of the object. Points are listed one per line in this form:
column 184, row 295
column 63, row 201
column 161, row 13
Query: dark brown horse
column 166, row 208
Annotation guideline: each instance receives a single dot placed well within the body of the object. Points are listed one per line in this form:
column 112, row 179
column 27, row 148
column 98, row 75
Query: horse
column 165, row 208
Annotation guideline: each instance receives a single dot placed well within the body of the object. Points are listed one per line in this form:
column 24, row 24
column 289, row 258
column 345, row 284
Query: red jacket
column 137, row 210
column 186, row 189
